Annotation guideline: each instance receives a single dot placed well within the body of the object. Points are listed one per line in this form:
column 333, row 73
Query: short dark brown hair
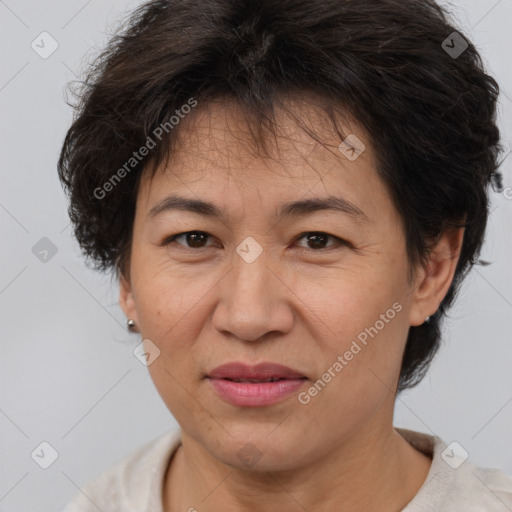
column 429, row 113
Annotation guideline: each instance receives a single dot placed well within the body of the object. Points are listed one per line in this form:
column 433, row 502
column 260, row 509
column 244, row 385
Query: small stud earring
column 131, row 325
column 427, row 320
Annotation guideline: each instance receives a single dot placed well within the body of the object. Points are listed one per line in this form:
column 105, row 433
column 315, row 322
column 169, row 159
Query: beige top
column 452, row 485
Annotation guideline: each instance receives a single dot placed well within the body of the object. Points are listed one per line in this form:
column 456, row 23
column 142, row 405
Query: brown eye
column 192, row 239
column 318, row 240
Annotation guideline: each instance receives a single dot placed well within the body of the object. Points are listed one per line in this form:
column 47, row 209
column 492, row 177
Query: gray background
column 68, row 375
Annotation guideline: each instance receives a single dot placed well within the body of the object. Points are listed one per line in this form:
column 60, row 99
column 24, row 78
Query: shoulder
column 454, row 483
column 133, row 484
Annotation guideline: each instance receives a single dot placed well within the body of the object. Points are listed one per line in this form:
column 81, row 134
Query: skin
column 296, row 304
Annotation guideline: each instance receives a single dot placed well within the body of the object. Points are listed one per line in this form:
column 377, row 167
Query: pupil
column 193, row 239
column 317, row 240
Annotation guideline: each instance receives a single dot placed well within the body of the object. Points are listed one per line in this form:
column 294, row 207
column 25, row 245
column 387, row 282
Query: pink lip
column 254, row 394
column 260, row 371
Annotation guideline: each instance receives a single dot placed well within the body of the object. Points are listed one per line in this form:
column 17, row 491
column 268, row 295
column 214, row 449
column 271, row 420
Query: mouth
column 261, row 381
column 263, row 372
column 255, row 386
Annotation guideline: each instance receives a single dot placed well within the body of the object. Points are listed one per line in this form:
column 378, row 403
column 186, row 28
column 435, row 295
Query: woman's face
column 323, row 291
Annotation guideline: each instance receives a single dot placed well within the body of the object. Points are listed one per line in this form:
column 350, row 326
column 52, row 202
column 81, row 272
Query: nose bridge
column 250, row 267
column 250, row 288
column 249, row 279
column 251, row 302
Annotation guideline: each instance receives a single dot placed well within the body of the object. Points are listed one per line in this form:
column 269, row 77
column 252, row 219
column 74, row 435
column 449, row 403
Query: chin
column 258, row 449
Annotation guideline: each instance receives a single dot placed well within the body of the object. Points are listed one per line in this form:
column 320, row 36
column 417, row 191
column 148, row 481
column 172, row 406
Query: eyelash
column 339, row 241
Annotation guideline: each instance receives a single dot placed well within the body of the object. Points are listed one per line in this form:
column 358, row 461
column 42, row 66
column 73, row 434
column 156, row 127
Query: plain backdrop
column 68, row 376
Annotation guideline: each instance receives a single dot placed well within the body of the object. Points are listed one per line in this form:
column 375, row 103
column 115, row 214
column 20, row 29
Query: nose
column 253, row 301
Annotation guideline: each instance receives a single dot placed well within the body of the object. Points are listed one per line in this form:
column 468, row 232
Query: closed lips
column 256, row 381
column 262, row 372
column 260, row 385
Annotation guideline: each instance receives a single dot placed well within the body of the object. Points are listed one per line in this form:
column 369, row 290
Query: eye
column 192, row 239
column 317, row 240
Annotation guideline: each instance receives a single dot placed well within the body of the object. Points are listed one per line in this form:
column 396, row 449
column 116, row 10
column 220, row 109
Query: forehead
column 222, row 130
column 215, row 153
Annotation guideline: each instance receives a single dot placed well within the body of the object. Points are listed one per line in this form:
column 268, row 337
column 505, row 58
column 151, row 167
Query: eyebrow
column 294, row 208
column 306, row 206
column 188, row 205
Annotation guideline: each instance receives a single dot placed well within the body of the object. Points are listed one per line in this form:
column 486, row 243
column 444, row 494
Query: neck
column 376, row 469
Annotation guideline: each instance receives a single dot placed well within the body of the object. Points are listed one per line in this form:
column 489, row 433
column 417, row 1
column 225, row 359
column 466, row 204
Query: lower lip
column 249, row 394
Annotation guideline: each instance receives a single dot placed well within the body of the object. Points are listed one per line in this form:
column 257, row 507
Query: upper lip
column 261, row 371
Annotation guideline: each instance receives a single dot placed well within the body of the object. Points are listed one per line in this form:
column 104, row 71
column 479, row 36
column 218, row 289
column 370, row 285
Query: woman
column 290, row 195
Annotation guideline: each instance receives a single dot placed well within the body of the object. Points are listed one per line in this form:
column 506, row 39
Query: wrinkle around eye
column 338, row 242
column 172, row 239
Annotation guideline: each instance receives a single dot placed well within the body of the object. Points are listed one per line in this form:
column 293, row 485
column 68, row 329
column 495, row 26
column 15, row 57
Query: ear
column 126, row 299
column 434, row 278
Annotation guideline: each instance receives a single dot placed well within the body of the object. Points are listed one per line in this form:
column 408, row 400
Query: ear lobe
column 126, row 299
column 435, row 277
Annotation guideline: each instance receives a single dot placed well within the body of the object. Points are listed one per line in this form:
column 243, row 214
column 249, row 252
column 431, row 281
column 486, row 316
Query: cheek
column 167, row 302
column 359, row 374
column 343, row 302
column 171, row 379
column 360, row 317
